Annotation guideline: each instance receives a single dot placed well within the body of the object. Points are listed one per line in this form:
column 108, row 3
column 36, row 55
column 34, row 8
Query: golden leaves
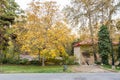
column 44, row 31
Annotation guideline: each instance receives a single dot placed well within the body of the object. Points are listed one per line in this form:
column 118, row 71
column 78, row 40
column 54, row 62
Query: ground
column 88, row 69
column 83, row 72
column 52, row 69
column 61, row 76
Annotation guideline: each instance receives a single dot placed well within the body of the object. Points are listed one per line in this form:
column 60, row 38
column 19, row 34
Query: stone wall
column 77, row 54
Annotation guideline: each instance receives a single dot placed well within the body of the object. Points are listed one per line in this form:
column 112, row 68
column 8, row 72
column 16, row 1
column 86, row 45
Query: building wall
column 77, row 54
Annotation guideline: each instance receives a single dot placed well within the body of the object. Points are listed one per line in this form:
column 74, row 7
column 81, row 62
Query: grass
column 118, row 68
column 31, row 69
column 109, row 67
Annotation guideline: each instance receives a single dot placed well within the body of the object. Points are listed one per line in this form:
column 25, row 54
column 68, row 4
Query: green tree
column 119, row 52
column 9, row 10
column 104, row 44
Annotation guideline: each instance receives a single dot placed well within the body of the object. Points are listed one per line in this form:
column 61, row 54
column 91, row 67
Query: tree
column 109, row 8
column 80, row 10
column 8, row 13
column 89, row 13
column 119, row 52
column 104, row 44
column 44, row 34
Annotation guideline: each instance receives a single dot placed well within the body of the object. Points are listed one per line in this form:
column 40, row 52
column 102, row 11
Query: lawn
column 31, row 69
column 109, row 67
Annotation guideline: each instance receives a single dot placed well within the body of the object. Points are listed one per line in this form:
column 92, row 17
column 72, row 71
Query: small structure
column 30, row 58
column 83, row 47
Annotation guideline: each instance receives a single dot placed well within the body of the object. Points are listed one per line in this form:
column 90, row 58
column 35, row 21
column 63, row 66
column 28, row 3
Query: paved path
column 88, row 69
column 61, row 76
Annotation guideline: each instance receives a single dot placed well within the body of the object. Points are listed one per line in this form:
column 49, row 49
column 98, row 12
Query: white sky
column 23, row 3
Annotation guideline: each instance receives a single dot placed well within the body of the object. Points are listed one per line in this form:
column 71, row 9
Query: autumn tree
column 79, row 11
column 46, row 34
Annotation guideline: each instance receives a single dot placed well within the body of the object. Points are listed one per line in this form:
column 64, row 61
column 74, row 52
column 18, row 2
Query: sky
column 23, row 3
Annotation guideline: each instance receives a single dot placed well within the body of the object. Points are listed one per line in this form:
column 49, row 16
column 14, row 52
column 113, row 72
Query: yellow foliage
column 44, row 31
column 53, row 53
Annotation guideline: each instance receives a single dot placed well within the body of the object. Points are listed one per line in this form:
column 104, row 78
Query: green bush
column 67, row 60
column 71, row 60
column 5, row 61
column 35, row 62
column 24, row 61
column 10, row 61
column 98, row 63
column 54, row 61
column 13, row 61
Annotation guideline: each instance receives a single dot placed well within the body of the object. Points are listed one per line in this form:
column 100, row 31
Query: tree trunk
column 39, row 54
column 14, row 49
column 18, row 56
column 112, row 52
column 111, row 31
column 43, row 61
column 92, row 40
column 1, row 56
column 102, row 12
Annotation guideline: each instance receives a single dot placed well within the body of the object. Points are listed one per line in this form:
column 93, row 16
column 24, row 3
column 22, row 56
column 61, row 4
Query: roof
column 89, row 43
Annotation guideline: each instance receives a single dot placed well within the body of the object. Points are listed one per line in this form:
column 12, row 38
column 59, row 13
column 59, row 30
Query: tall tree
column 104, row 44
column 82, row 9
column 109, row 8
column 8, row 13
column 45, row 34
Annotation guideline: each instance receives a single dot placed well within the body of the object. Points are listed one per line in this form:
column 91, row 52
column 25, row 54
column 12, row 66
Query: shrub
column 98, row 63
column 67, row 60
column 70, row 60
column 54, row 61
column 14, row 61
column 35, row 62
column 10, row 61
column 5, row 61
column 24, row 61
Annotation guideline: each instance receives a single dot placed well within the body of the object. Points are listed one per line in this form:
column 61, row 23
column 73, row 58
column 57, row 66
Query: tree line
column 97, row 18
column 40, row 31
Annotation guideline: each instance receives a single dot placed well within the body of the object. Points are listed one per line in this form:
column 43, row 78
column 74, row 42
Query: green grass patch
column 31, row 69
column 118, row 68
column 109, row 67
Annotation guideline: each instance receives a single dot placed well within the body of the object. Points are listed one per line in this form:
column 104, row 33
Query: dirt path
column 86, row 68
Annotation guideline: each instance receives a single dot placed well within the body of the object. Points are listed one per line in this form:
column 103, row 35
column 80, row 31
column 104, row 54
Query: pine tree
column 104, row 44
column 8, row 13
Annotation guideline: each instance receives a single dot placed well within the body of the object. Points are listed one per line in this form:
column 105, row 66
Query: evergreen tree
column 104, row 44
column 9, row 10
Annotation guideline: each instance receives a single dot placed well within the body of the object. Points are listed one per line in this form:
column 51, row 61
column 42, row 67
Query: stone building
column 80, row 48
